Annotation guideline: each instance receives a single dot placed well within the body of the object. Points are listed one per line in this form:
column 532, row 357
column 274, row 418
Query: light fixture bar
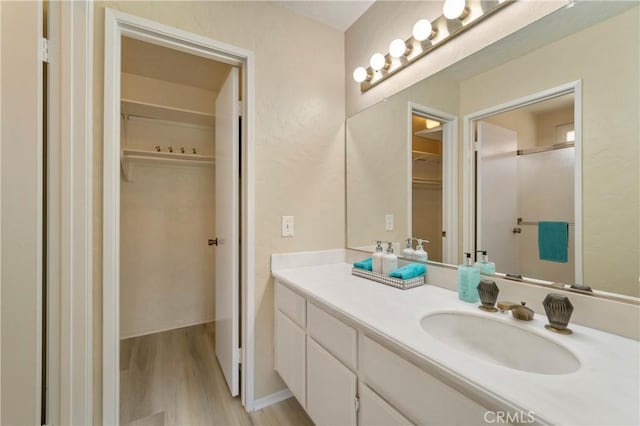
column 445, row 30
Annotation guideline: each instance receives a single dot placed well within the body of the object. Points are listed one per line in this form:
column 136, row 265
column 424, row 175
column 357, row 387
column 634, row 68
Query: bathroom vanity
column 353, row 351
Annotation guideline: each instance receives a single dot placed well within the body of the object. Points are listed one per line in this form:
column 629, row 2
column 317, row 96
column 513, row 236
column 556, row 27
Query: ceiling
column 174, row 66
column 337, row 14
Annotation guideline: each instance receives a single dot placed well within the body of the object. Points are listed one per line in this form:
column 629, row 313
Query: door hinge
column 241, row 108
column 357, row 404
column 44, row 50
column 240, row 355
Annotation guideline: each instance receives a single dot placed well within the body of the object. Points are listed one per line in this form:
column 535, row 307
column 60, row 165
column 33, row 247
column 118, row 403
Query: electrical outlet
column 388, row 222
column 287, row 226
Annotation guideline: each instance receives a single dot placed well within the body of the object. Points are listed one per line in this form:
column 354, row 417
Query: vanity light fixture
column 423, row 30
column 458, row 16
column 378, row 62
column 455, row 9
column 398, row 48
column 360, row 74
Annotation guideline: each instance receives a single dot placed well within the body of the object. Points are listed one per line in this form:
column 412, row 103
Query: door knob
column 213, row 242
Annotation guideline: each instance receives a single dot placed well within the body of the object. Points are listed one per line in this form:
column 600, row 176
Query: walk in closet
column 168, row 366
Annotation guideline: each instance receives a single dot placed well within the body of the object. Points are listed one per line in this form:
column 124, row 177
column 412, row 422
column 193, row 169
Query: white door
column 21, row 211
column 227, row 230
column 497, row 195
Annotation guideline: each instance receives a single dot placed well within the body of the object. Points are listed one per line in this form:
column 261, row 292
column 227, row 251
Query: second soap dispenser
column 420, row 254
column 408, row 252
column 468, row 279
column 486, row 267
column 377, row 258
column 389, row 260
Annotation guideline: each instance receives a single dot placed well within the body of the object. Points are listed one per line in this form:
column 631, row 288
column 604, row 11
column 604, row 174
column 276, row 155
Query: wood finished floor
column 173, row 378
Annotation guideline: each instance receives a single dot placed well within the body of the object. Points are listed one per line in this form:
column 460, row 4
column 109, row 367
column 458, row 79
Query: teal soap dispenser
column 486, row 267
column 468, row 279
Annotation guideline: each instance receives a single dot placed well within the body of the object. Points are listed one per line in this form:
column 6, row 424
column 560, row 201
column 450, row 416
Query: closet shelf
column 426, row 156
column 426, row 182
column 131, row 157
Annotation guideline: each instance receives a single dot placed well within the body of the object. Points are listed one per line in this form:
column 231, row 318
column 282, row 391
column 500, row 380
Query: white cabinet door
column 331, row 388
column 374, row 411
column 290, row 355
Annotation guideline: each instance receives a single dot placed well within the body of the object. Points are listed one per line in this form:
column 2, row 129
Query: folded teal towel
column 366, row 264
column 553, row 241
column 411, row 270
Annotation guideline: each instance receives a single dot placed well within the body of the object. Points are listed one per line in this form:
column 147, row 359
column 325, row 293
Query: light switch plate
column 287, row 226
column 388, row 222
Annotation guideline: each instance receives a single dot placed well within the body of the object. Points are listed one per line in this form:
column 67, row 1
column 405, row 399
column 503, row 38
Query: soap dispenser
column 468, row 280
column 377, row 258
column 420, row 254
column 408, row 252
column 486, row 267
column 389, row 260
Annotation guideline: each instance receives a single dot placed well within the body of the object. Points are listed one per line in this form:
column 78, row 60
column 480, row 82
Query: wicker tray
column 385, row 279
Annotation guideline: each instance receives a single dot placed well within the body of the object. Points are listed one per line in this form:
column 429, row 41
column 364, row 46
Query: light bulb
column 422, row 30
column 377, row 61
column 397, row 48
column 360, row 74
column 453, row 9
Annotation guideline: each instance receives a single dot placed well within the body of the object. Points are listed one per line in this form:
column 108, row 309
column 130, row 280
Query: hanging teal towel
column 408, row 271
column 366, row 264
column 553, row 241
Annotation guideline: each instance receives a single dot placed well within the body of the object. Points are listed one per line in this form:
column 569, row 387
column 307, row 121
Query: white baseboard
column 274, row 398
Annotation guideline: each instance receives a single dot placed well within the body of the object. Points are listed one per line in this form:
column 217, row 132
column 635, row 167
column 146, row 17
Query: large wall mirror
column 535, row 133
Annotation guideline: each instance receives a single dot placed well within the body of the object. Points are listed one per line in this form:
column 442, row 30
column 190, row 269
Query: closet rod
column 536, row 150
column 170, row 122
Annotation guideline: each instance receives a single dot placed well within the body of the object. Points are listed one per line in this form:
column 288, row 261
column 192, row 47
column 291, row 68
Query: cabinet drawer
column 374, row 411
column 291, row 304
column 290, row 355
column 331, row 388
column 420, row 396
column 337, row 337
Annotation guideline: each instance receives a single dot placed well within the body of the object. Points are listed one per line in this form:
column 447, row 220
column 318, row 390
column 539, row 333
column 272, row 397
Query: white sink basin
column 501, row 343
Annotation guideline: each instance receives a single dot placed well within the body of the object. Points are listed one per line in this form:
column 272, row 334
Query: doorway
column 432, row 201
column 172, row 198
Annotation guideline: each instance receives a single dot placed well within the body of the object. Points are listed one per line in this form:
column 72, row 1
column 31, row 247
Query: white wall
column 167, row 269
column 299, row 147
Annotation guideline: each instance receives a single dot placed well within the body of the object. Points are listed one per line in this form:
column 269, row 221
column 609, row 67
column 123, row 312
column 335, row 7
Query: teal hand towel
column 411, row 270
column 553, row 241
column 366, row 264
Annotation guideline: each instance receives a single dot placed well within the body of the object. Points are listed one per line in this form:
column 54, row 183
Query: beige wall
column 299, row 146
column 611, row 93
column 387, row 20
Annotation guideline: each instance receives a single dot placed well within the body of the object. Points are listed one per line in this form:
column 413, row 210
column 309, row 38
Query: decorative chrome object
column 488, row 292
column 558, row 309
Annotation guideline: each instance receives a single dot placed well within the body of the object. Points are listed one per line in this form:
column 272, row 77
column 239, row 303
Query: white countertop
column 604, row 391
